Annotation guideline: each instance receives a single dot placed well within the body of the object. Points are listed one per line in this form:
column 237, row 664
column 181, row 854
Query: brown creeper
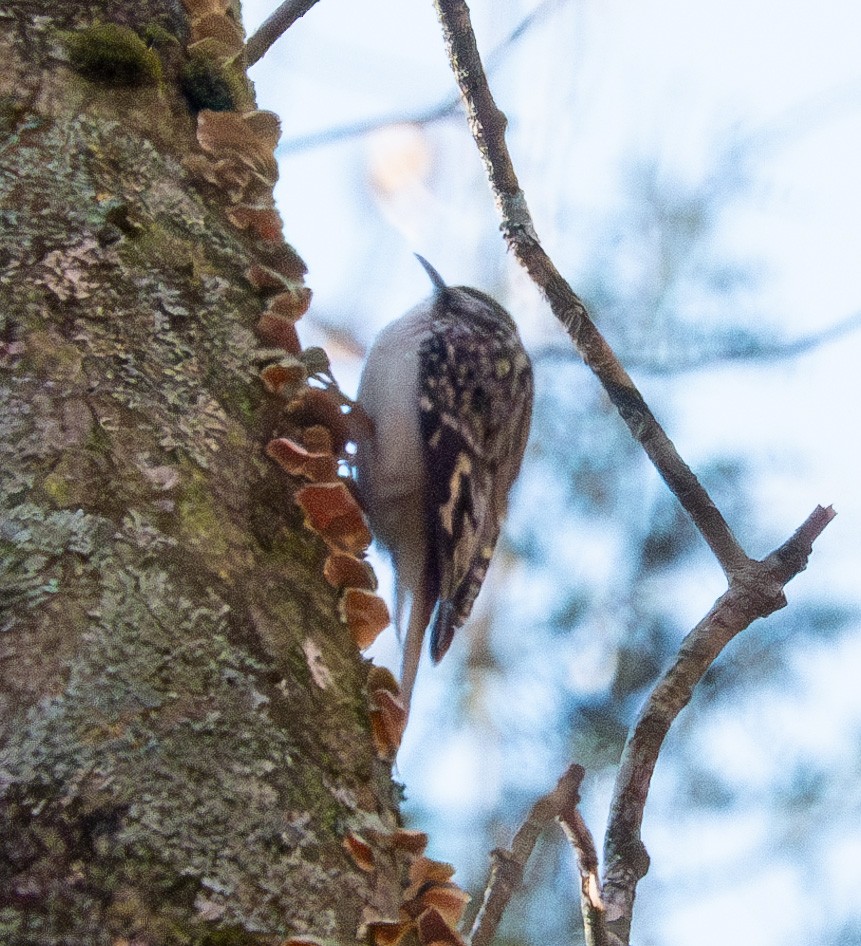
column 447, row 389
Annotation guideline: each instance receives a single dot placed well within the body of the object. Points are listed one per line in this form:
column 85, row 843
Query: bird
column 446, row 392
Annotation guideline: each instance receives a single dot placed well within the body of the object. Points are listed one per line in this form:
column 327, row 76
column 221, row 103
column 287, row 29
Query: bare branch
column 274, row 27
column 488, row 128
column 756, row 592
column 591, row 902
column 755, row 588
column 506, row 872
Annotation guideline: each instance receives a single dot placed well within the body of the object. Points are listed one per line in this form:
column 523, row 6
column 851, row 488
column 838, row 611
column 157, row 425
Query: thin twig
column 488, row 128
column 427, row 116
column 506, row 872
column 756, row 593
column 367, row 126
column 274, row 27
column 591, row 902
column 750, row 350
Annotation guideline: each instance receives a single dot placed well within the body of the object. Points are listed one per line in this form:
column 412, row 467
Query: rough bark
column 171, row 771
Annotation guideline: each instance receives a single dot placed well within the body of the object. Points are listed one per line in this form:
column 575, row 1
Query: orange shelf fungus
column 388, row 722
column 365, row 614
column 433, row 929
column 332, row 511
column 347, row 571
column 263, row 223
column 360, row 851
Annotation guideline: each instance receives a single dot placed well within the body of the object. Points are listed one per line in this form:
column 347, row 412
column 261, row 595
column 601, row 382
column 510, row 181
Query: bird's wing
column 472, row 459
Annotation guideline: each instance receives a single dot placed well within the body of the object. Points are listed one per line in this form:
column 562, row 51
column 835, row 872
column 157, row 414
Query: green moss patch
column 113, row 54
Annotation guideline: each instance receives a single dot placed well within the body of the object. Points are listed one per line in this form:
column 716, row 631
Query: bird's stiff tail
column 420, row 612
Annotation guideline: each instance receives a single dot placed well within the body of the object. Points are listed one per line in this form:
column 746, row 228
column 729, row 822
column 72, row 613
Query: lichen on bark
column 170, row 771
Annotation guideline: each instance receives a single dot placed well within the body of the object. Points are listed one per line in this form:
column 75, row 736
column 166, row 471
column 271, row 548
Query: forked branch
column 755, row 588
column 756, row 593
column 507, row 867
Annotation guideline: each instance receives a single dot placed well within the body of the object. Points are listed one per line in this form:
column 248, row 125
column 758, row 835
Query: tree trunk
column 178, row 765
